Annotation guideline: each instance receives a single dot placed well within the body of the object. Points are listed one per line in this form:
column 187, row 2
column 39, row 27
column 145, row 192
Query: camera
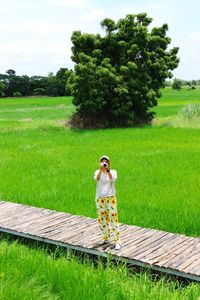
column 104, row 164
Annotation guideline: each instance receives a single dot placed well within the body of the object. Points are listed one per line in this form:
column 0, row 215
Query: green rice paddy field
column 45, row 164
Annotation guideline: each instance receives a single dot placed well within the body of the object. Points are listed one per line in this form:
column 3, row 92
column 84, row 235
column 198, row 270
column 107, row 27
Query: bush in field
column 190, row 112
column 17, row 94
column 117, row 78
column 176, row 84
column 39, row 91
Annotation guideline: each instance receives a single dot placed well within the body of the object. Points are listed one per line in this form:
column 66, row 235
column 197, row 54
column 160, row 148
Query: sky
column 35, row 35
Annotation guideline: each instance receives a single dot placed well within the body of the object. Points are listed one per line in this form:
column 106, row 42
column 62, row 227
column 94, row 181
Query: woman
column 106, row 202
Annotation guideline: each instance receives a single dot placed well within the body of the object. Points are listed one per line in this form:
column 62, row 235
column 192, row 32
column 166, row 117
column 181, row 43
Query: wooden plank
column 178, row 244
column 179, row 248
column 133, row 246
column 157, row 253
column 187, row 258
column 63, row 235
column 163, row 259
column 67, row 226
column 24, row 223
column 69, row 238
column 154, row 244
column 83, row 234
column 195, row 270
column 92, row 242
column 181, row 255
column 56, row 229
column 45, row 216
column 15, row 215
column 149, row 245
column 194, row 261
column 7, row 205
column 133, row 230
column 155, row 236
column 15, row 207
column 127, row 232
column 134, row 235
column 71, row 232
column 158, row 250
column 49, row 222
column 57, row 223
column 6, row 210
column 130, row 239
column 135, row 240
column 88, row 241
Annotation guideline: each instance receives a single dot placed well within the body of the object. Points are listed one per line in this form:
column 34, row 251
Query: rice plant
column 190, row 112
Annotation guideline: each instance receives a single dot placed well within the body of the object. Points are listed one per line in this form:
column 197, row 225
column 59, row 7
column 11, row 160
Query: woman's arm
column 113, row 175
column 110, row 175
column 97, row 174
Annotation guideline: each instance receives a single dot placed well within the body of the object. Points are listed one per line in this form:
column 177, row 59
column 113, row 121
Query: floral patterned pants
column 108, row 216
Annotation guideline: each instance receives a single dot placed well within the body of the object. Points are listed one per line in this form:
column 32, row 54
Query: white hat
column 104, row 156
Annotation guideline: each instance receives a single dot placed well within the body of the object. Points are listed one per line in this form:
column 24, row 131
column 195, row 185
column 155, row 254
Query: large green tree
column 117, row 77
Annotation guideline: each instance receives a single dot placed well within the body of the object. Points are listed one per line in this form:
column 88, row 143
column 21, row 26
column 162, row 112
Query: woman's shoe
column 103, row 242
column 118, row 245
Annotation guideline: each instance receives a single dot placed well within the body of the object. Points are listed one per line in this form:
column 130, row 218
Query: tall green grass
column 45, row 164
column 158, row 172
column 34, row 273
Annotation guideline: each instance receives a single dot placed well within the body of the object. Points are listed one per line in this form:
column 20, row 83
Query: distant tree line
column 12, row 85
column 177, row 84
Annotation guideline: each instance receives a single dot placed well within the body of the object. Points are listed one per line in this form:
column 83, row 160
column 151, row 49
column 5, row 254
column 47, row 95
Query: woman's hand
column 101, row 167
column 100, row 171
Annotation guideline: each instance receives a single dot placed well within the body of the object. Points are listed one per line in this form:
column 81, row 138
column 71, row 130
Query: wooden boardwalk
column 167, row 252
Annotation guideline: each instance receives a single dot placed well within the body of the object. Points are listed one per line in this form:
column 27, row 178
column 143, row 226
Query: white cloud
column 9, row 31
column 35, row 38
column 69, row 3
column 161, row 11
column 189, row 66
column 7, row 35
column 92, row 15
column 195, row 37
column 35, row 49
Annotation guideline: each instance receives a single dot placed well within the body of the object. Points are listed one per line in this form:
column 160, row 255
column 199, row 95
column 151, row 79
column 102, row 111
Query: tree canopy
column 117, row 77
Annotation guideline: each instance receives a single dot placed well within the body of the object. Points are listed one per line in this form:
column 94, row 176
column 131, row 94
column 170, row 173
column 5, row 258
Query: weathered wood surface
column 159, row 250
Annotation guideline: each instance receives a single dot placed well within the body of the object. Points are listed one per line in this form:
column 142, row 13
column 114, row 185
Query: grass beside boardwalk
column 31, row 273
column 42, row 163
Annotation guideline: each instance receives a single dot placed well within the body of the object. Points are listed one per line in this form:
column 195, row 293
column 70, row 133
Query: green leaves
column 123, row 71
column 108, row 25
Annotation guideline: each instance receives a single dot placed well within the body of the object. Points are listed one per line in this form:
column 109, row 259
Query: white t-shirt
column 105, row 186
